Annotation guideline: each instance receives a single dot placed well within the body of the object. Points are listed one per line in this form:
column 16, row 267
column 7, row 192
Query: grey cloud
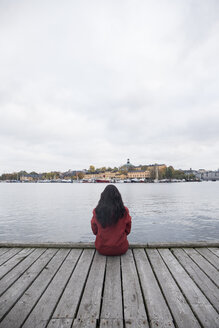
column 97, row 82
column 204, row 130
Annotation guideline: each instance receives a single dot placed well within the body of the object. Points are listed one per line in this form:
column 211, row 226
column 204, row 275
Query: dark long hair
column 110, row 207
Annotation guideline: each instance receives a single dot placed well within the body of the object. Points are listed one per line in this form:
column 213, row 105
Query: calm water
column 62, row 212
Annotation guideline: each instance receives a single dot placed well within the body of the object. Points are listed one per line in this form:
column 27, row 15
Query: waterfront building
column 139, row 174
column 105, row 175
column 26, row 178
column 191, row 171
column 207, row 175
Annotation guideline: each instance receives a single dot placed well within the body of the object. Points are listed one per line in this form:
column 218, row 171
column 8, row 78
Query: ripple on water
column 60, row 212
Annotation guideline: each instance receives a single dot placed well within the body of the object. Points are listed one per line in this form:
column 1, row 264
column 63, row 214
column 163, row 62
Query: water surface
column 62, row 212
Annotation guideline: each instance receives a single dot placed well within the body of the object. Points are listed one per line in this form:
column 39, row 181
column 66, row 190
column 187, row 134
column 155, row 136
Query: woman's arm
column 94, row 225
column 128, row 222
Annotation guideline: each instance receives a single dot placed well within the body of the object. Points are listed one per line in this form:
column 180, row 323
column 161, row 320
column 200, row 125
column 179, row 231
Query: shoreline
column 109, row 181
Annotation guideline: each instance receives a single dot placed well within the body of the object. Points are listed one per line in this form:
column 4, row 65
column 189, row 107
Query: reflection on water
column 62, row 212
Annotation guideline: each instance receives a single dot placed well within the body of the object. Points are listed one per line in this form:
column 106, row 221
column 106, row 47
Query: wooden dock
column 58, row 286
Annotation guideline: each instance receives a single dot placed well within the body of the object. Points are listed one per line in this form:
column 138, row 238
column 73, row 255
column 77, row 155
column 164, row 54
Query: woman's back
column 111, row 223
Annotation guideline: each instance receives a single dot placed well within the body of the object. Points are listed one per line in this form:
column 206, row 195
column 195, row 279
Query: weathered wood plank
column 134, row 308
column 208, row 268
column 178, row 244
column 214, row 250
column 158, row 312
column 10, row 264
column 111, row 323
column 10, row 297
column 85, row 323
column 112, row 296
column 181, row 312
column 204, row 311
column 20, row 311
column 212, row 258
column 16, row 272
column 30, row 291
column 132, row 245
column 59, row 323
column 200, row 278
column 136, row 323
column 8, row 255
column 70, row 298
column 43, row 310
column 91, row 299
column 3, row 250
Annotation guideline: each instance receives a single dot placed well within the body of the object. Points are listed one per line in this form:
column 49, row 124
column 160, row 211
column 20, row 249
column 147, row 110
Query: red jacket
column 112, row 240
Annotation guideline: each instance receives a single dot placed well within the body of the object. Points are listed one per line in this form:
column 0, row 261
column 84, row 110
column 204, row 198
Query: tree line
column 163, row 173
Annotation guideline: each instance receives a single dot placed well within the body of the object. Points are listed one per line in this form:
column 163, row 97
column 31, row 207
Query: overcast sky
column 97, row 82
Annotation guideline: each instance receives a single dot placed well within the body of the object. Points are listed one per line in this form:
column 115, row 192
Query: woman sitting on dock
column 111, row 223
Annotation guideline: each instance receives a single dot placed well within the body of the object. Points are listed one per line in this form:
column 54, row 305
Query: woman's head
column 110, row 207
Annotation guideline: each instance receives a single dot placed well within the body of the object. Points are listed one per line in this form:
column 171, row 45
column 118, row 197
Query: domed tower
column 128, row 165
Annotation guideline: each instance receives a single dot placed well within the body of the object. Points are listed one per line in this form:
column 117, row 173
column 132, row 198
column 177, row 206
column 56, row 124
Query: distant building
column 139, row 174
column 25, row 178
column 128, row 163
column 128, row 166
column 190, row 171
column 104, row 175
column 207, row 175
column 159, row 166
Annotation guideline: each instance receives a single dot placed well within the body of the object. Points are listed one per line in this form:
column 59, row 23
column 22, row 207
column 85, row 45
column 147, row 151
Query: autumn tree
column 91, row 169
column 80, row 175
column 179, row 174
column 190, row 177
column 169, row 172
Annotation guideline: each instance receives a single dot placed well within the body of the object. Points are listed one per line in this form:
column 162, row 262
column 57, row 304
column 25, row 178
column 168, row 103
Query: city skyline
column 135, row 166
column 97, row 82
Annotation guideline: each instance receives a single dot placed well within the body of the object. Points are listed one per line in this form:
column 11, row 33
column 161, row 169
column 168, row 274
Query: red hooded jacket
column 112, row 240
